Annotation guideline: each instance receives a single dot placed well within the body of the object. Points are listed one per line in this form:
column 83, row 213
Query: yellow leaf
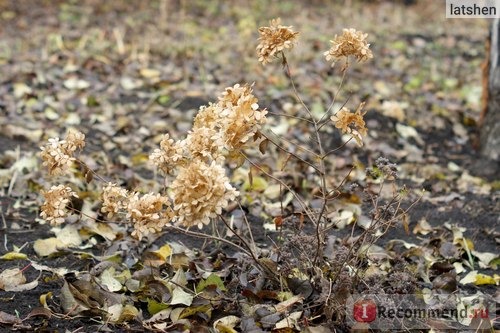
column 154, row 307
column 44, row 297
column 192, row 310
column 480, row 279
column 149, row 72
column 139, row 159
column 485, row 279
column 468, row 244
column 158, row 257
column 46, row 247
column 164, row 252
column 258, row 184
column 14, row 256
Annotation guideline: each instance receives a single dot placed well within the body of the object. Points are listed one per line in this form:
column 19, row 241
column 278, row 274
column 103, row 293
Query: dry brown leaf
column 9, row 319
column 11, row 278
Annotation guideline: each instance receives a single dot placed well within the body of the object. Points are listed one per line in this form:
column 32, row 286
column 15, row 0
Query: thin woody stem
column 301, row 201
column 202, row 235
column 320, row 169
column 338, row 148
column 300, row 147
column 283, row 149
column 288, row 73
column 90, row 170
column 344, row 74
column 250, row 250
column 289, row 116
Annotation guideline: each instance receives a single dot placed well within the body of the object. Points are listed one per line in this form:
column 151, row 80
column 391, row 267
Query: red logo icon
column 364, row 311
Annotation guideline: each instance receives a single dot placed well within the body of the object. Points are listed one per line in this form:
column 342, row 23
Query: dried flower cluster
column 200, row 192
column 240, row 117
column 205, row 143
column 227, row 124
column 352, row 123
column 207, row 116
column 54, row 209
column 149, row 213
column 114, row 199
column 201, row 189
column 57, row 155
column 169, row 154
column 274, row 39
column 351, row 43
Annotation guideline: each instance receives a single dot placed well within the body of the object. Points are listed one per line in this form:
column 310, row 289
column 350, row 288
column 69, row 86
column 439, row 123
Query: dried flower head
column 207, row 116
column 351, row 42
column 240, row 117
column 57, row 155
column 352, row 123
column 74, row 140
column 54, row 209
column 114, row 199
column 205, row 143
column 169, row 155
column 148, row 213
column 200, row 192
column 274, row 39
column 236, row 95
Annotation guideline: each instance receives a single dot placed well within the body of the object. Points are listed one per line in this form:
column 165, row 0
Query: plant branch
column 289, row 116
column 283, row 149
column 279, row 181
column 202, row 235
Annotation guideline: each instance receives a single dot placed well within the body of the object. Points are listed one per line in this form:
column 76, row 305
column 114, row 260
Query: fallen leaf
column 108, row 280
column 258, row 184
column 46, row 247
column 486, row 259
column 69, row 235
column 407, row 132
column 39, row 312
column 423, row 227
column 75, row 84
column 13, row 255
column 9, row 319
column 212, row 280
column 149, row 73
column 158, row 257
column 60, row 271
column 480, row 279
column 291, row 321
column 283, row 306
column 11, row 278
column 179, row 296
column 23, row 287
column 226, row 324
column 179, row 278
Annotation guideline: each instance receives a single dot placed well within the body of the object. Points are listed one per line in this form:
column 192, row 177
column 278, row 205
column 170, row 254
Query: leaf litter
column 89, row 83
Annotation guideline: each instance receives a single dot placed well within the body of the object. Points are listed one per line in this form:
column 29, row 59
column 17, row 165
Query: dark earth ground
column 464, row 205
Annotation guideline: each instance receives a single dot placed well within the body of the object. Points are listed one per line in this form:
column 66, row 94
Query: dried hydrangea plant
column 198, row 189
